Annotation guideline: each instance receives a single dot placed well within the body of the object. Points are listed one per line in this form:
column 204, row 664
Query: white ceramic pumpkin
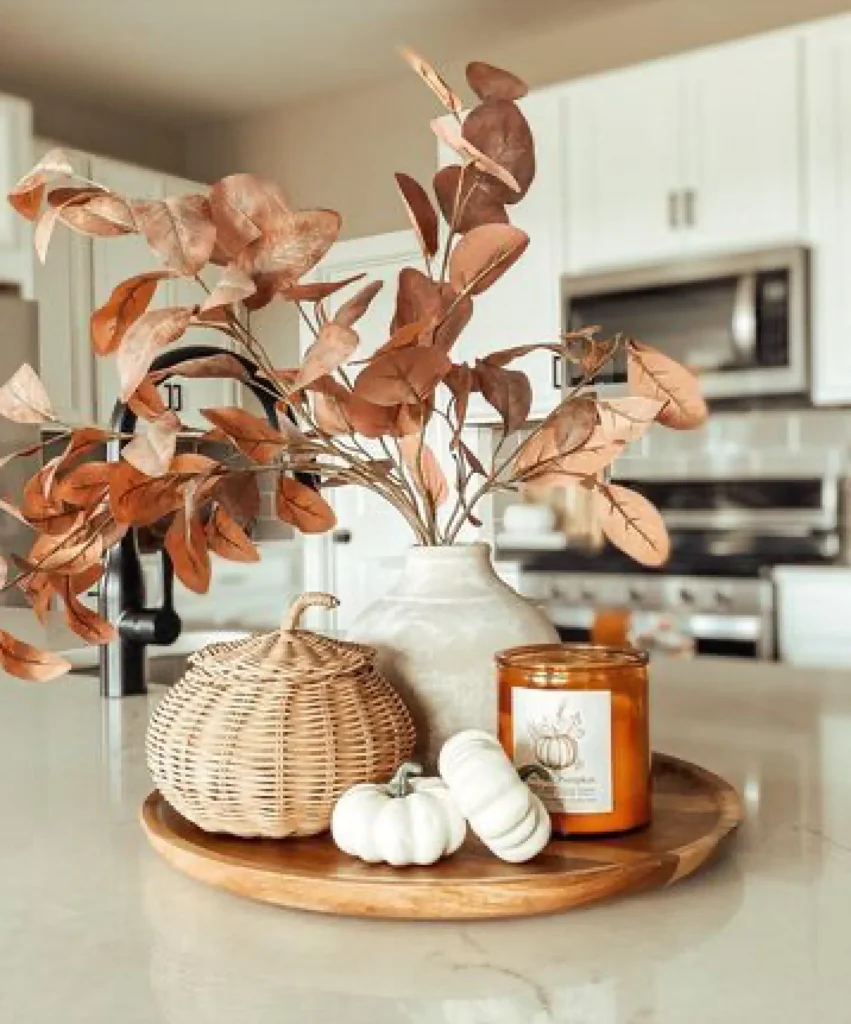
column 504, row 813
column 407, row 821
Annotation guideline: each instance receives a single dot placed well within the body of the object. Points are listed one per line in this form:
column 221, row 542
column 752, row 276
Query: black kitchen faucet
column 122, row 589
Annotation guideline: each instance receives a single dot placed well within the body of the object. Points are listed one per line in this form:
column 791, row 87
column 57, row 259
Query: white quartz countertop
column 95, row 929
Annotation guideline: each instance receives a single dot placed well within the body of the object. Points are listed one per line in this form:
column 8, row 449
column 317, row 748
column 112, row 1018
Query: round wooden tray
column 693, row 811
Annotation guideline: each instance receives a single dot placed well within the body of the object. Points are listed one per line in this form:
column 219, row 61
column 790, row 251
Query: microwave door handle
column 743, row 324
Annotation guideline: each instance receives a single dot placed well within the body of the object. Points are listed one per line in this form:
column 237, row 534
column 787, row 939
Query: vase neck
column 458, row 570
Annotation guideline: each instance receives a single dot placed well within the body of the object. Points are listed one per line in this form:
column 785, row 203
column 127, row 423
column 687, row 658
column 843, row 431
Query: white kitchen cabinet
column 694, row 154
column 828, row 121
column 16, row 158
column 813, row 613
column 525, row 305
column 63, row 290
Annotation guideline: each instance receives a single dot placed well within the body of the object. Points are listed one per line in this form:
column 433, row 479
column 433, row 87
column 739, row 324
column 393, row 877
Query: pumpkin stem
column 293, row 614
column 400, row 784
column 529, row 771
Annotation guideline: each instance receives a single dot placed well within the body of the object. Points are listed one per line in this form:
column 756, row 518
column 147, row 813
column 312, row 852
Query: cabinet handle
column 674, row 210
column 690, row 199
column 558, row 366
column 178, row 405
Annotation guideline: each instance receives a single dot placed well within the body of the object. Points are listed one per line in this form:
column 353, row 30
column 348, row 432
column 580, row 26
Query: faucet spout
column 122, row 599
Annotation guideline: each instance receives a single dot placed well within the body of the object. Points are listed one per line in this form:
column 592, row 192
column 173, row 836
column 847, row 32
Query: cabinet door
column 63, row 291
column 16, row 157
column 828, row 120
column 525, row 305
column 623, row 168
column 743, row 131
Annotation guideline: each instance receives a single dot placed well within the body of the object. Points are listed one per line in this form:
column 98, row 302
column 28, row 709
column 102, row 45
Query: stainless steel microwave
column 741, row 322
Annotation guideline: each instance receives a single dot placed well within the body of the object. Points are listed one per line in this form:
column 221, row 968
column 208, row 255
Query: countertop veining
column 94, row 928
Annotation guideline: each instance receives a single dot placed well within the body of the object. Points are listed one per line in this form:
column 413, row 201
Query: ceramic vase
column 437, row 632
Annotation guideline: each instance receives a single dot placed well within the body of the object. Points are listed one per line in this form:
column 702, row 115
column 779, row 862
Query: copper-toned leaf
column 472, row 460
column 23, row 661
column 239, row 494
column 461, row 382
column 79, row 549
column 220, row 366
column 338, row 411
column 451, row 136
column 507, row 391
column 139, row 499
column 66, row 196
column 484, row 254
column 302, row 507
column 146, row 401
column 152, row 449
column 403, row 337
column 103, row 216
column 44, row 232
column 632, row 524
column 490, row 83
column 186, row 544
column 85, row 580
column 333, row 347
column 83, row 440
column 548, row 462
column 295, row 247
column 433, row 80
column 425, row 470
column 81, row 619
column 626, row 419
column 508, row 355
column 27, row 194
column 573, row 424
column 85, row 486
column 179, row 229
column 498, row 130
column 658, row 376
column 254, row 437
column 41, row 508
column 244, row 207
column 24, row 399
column 439, row 310
column 126, row 304
column 352, row 310
column 420, row 213
column 470, row 205
column 233, row 286
column 144, row 340
column 315, row 291
column 402, row 376
column 226, row 538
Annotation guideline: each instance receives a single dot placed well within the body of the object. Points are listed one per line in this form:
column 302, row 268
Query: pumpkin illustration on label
column 555, row 741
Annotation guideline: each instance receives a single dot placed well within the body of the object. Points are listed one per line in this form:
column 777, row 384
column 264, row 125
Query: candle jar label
column 563, row 744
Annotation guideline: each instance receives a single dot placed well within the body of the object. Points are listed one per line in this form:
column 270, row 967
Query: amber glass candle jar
column 575, row 717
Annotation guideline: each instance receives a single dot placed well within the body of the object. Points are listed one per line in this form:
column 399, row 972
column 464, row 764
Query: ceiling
column 185, row 60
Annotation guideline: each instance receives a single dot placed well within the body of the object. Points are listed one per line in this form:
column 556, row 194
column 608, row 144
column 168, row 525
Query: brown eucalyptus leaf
column 40, row 508
column 77, row 550
column 35, row 586
column 451, row 136
column 457, row 312
column 23, row 661
column 179, row 229
column 244, row 207
column 152, row 450
column 82, row 442
column 472, row 460
column 239, row 494
column 508, row 355
column 315, row 291
column 409, row 418
column 490, row 83
column 80, row 618
column 294, row 248
column 105, row 215
column 483, row 255
column 220, row 367
column 226, row 538
column 24, row 399
column 186, row 544
column 27, row 194
column 476, row 204
column 403, row 337
column 655, row 375
column 350, row 312
column 302, row 507
column 85, row 580
column 333, row 347
column 66, row 196
column 499, row 131
column 546, row 462
column 146, row 402
column 425, row 470
column 433, row 80
column 84, row 486
column 232, row 287
column 632, row 524
column 330, row 416
column 573, row 424
column 420, row 213
column 44, row 232
column 125, row 305
column 141, row 500
column 144, row 340
column 507, row 391
column 402, row 376
column 461, row 381
column 625, row 420
column 338, row 411
column 255, row 437
column 428, row 303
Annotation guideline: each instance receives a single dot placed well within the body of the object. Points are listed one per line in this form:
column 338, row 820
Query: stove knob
column 722, row 599
column 636, row 595
column 587, row 595
column 687, row 596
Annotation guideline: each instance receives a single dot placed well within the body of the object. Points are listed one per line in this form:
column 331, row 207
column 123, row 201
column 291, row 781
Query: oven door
column 740, row 322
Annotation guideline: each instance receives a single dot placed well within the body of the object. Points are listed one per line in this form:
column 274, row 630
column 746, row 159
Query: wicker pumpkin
column 263, row 735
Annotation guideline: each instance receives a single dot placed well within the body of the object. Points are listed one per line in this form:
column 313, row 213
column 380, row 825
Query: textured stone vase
column 437, row 632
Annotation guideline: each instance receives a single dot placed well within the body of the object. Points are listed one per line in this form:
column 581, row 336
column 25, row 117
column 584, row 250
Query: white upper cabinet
column 623, row 167
column 524, row 305
column 16, row 158
column 699, row 153
column 63, row 290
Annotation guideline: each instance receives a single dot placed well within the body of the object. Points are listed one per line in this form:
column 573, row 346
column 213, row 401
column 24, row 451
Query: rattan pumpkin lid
column 290, row 652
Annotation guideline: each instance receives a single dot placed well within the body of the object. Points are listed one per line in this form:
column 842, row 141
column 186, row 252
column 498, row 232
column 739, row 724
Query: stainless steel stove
column 716, row 595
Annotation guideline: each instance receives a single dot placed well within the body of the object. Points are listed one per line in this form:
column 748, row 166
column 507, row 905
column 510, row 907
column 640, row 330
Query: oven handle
column 743, row 323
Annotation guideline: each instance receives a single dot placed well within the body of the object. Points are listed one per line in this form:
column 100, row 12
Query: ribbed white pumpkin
column 504, row 813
